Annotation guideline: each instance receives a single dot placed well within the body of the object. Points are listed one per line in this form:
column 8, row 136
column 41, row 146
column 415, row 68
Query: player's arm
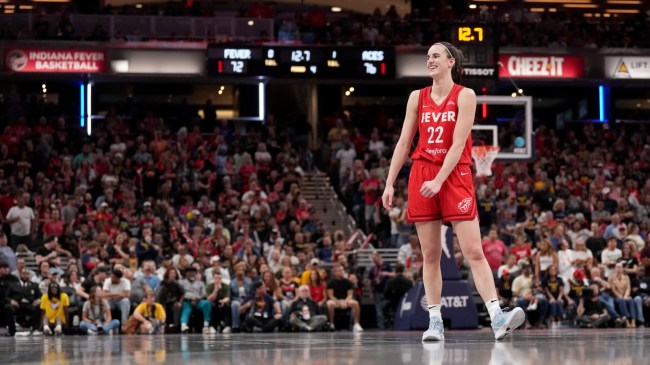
column 464, row 123
column 403, row 146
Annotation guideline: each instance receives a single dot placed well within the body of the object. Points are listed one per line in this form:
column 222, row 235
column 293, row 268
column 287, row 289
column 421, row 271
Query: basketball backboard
column 506, row 122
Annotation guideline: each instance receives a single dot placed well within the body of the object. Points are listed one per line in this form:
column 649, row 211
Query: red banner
column 55, row 60
column 541, row 66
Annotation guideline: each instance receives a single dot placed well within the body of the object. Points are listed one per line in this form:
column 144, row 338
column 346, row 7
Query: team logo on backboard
column 464, row 205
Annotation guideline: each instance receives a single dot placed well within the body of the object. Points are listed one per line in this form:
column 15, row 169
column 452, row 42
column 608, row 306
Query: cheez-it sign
column 55, row 60
column 541, row 66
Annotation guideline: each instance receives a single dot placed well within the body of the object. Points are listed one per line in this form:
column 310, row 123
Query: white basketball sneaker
column 506, row 321
column 436, row 331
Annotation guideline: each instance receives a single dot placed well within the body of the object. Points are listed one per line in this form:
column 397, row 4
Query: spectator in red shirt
column 521, row 248
column 495, row 250
column 371, row 191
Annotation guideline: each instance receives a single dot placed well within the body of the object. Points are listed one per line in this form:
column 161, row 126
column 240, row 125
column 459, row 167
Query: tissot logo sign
column 479, row 72
column 541, row 66
column 627, row 67
column 55, row 60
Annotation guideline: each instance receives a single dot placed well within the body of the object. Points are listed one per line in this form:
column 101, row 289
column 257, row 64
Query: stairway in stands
column 319, row 192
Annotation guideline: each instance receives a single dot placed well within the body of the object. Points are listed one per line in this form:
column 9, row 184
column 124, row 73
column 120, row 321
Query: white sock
column 434, row 310
column 493, row 307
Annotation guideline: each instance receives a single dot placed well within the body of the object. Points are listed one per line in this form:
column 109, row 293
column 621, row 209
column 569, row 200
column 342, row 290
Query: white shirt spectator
column 514, row 270
column 404, row 253
column 377, row 147
column 119, row 288
column 564, row 258
column 346, row 158
column 21, row 227
column 608, row 258
column 177, row 258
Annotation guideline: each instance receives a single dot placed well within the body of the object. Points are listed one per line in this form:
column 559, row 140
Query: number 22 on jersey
column 432, row 133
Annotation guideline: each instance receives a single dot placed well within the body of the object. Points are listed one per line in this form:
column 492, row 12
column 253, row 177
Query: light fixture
column 521, row 91
column 580, row 6
column 552, row 10
column 351, row 89
column 251, row 23
column 336, row 9
column 89, row 115
column 537, row 10
column 558, row 1
column 347, row 93
column 222, row 88
column 220, row 92
column 623, row 11
column 473, row 6
column 261, row 95
column 44, row 91
column 514, row 95
column 43, row 86
column 588, row 15
column 624, row 2
column 138, row 6
column 607, row 15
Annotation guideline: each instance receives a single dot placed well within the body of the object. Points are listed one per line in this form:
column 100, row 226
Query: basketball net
column 483, row 157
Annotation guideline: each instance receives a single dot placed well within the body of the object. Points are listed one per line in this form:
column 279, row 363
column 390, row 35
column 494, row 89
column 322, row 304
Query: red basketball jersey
column 436, row 123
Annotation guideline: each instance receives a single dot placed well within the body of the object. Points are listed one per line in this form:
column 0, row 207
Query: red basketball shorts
column 456, row 200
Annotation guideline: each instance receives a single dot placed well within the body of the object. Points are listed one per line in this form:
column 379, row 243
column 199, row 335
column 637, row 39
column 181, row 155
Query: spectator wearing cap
column 117, row 291
column 241, row 287
column 195, row 298
column 97, row 278
column 262, row 313
column 306, row 274
column 54, row 304
column 54, row 274
column 215, row 262
column 21, row 218
column 8, row 297
column 7, row 253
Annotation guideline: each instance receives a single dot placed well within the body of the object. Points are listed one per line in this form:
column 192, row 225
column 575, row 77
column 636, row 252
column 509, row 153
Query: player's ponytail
column 457, row 55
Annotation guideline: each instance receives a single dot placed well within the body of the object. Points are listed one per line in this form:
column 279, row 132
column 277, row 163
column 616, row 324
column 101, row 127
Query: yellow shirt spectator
column 156, row 311
column 55, row 308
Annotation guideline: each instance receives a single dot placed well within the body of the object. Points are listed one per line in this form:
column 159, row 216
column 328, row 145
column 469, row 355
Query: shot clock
column 314, row 62
column 480, row 50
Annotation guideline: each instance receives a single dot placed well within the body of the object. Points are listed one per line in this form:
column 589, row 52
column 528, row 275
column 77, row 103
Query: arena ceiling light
column 580, row 6
column 51, row 1
column 624, row 2
column 336, row 9
column 623, row 11
column 558, row 1
column 490, row 1
column 473, row 6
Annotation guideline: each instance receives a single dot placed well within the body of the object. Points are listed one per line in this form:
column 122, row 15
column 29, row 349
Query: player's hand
column 387, row 197
column 430, row 188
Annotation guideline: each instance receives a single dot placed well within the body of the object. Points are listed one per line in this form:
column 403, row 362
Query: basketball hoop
column 483, row 157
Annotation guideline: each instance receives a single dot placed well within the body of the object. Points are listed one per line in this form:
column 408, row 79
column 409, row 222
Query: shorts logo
column 464, row 205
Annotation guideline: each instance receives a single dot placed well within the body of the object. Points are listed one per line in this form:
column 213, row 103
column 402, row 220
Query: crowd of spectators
column 143, row 229
column 566, row 227
column 516, row 25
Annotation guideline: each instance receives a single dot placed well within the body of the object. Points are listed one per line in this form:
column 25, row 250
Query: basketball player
column 440, row 188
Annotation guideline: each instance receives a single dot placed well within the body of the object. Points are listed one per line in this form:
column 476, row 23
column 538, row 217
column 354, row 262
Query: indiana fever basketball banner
column 54, row 60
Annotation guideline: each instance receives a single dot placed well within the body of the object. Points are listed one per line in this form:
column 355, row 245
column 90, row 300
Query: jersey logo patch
column 464, row 205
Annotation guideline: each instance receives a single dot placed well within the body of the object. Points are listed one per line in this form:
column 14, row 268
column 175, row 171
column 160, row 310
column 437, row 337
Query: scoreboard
column 309, row 62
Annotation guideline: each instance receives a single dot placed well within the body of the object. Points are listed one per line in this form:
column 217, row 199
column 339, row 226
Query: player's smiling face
column 438, row 61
